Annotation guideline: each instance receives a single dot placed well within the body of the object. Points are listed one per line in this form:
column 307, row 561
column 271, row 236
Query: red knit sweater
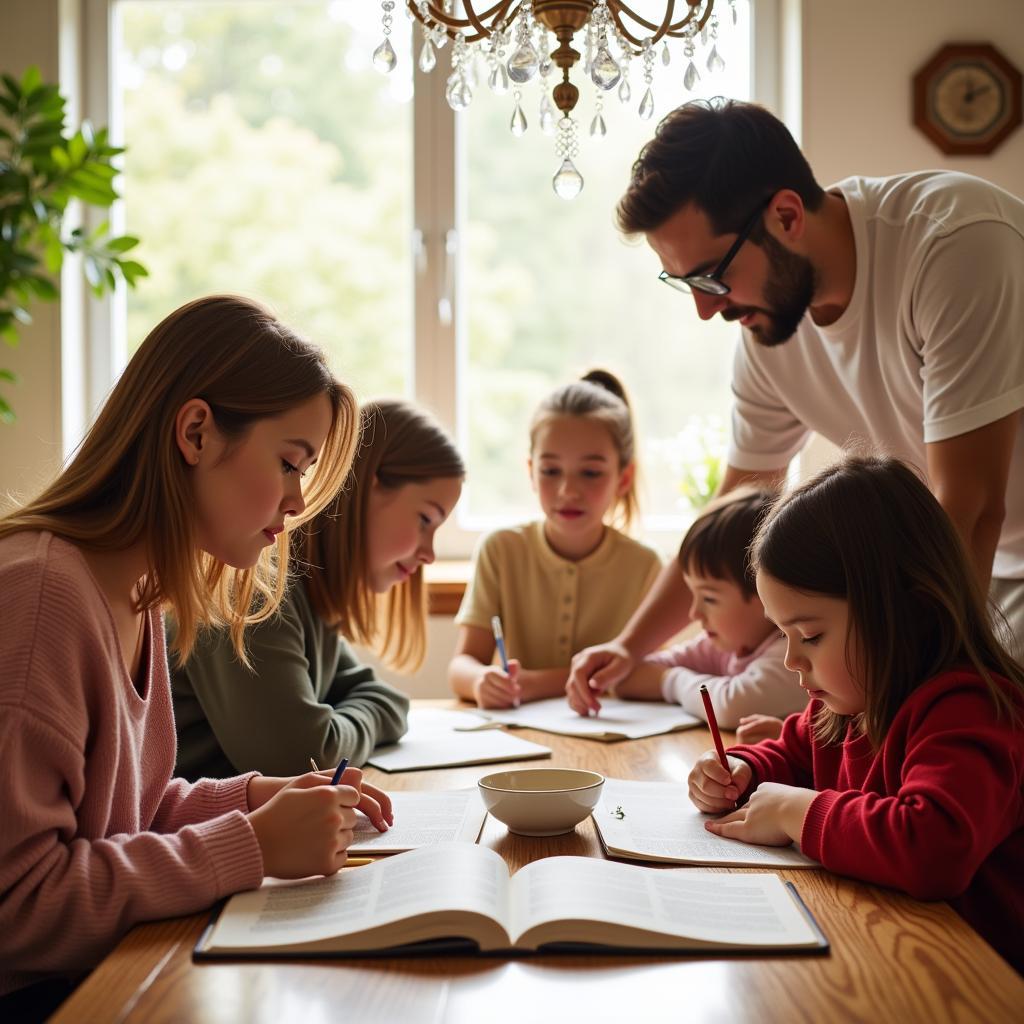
column 937, row 811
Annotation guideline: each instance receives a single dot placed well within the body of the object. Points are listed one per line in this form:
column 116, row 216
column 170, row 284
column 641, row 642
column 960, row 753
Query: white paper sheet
column 437, row 738
column 656, row 821
column 619, row 719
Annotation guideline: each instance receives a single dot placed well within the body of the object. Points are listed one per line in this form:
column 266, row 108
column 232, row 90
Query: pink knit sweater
column 95, row 835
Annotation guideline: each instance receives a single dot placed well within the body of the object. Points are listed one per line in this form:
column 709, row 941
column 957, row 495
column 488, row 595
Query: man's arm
column 968, row 475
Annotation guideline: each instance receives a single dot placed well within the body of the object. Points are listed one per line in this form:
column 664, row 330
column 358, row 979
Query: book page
column 657, row 821
column 619, row 719
column 424, row 819
column 714, row 908
column 438, row 879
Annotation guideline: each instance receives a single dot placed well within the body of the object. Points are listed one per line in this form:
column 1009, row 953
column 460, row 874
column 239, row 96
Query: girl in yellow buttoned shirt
column 571, row 579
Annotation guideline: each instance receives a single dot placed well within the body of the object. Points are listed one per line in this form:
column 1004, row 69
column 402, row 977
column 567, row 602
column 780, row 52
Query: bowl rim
column 598, row 781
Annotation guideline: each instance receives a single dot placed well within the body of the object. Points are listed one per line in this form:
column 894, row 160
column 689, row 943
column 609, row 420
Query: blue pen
column 499, row 639
column 339, row 771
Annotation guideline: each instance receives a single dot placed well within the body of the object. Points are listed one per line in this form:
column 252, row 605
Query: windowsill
column 446, row 583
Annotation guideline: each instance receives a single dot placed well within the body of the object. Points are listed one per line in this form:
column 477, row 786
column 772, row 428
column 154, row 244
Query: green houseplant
column 42, row 169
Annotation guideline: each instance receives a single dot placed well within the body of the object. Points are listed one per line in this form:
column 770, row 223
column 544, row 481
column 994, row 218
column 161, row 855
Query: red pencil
column 713, row 726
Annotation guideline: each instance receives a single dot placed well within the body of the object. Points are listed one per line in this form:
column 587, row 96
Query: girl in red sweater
column 907, row 767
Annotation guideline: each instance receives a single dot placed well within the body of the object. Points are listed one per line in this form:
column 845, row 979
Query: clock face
column 968, row 99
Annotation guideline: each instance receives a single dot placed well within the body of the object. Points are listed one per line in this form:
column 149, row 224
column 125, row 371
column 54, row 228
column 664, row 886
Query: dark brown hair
column 399, row 444
column 599, row 395
column 723, row 155
column 718, row 541
column 869, row 532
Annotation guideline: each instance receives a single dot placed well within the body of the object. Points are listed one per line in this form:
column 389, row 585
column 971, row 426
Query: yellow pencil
column 357, row 862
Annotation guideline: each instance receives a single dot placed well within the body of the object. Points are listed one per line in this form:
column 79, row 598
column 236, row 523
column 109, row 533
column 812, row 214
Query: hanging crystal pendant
column 523, row 64
column 624, row 90
column 498, row 79
column 605, row 73
column 457, row 92
column 704, row 35
column 518, row 123
column 647, row 105
column 428, row 58
column 666, row 55
column 547, row 115
column 598, row 129
column 692, row 77
column 715, row 62
column 567, row 182
column 384, row 58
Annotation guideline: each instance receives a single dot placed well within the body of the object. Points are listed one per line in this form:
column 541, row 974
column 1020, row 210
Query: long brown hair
column 599, row 395
column 127, row 482
column 400, row 444
column 868, row 531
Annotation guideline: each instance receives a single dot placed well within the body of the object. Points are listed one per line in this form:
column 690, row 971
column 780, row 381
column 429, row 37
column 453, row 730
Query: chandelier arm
column 667, row 27
column 478, row 19
column 453, row 26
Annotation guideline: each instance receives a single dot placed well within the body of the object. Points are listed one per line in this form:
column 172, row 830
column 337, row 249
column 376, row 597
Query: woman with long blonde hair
column 360, row 579
column 178, row 498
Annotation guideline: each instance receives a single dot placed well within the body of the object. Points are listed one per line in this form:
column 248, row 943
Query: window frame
column 436, row 253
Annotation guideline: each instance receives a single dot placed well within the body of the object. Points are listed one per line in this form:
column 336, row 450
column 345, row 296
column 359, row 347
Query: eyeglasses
column 712, row 284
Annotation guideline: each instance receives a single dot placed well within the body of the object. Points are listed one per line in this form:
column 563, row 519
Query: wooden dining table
column 892, row 958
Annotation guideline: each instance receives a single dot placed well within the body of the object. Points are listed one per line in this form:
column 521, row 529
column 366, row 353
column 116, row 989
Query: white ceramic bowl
column 541, row 801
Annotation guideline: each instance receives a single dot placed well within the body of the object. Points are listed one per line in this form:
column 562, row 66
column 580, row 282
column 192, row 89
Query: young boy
column 739, row 654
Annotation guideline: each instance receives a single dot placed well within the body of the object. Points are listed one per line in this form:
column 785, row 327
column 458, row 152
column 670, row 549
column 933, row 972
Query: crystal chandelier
column 513, row 42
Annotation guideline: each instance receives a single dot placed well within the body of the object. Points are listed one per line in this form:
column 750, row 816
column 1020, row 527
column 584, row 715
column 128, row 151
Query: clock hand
column 971, row 92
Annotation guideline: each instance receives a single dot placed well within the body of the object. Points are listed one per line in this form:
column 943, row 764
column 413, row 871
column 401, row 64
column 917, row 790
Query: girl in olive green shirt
column 306, row 694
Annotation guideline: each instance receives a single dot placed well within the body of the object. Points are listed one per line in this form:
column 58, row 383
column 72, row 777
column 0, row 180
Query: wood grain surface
column 892, row 958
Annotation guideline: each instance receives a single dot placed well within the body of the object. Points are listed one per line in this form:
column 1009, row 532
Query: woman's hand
column 305, row 828
column 712, row 788
column 773, row 816
column 373, row 802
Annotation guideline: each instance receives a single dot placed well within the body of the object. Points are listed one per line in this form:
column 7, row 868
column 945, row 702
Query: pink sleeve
column 960, row 778
column 698, row 654
column 765, row 686
column 187, row 803
column 65, row 900
column 789, row 759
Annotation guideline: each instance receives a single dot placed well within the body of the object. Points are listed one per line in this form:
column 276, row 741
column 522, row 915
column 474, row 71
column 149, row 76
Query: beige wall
column 856, row 101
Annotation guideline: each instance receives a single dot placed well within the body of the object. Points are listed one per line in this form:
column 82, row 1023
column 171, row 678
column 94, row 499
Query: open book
column 464, row 892
column 655, row 821
column 618, row 720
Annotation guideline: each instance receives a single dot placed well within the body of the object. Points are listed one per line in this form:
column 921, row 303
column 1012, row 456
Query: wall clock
column 967, row 98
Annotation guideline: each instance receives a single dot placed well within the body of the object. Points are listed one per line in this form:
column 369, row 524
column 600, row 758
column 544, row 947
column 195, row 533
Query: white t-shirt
column 931, row 345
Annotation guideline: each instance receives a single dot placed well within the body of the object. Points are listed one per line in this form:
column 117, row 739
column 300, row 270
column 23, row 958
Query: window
column 426, row 252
